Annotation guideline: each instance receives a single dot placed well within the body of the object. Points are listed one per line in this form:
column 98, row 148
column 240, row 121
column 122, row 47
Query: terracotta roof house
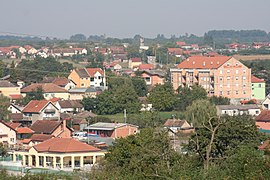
column 143, row 67
column 60, row 81
column 49, row 90
column 60, row 153
column 177, row 125
column 220, row 76
column 113, row 130
column 21, row 132
column 263, row 121
column 7, row 134
column 54, row 128
column 134, row 63
column 266, row 102
column 40, row 110
column 35, row 139
column 15, row 108
column 87, row 77
column 69, row 106
column 15, row 117
column 153, row 77
column 8, row 89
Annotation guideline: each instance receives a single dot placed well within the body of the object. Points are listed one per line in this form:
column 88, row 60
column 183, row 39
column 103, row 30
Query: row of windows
column 229, row 71
column 229, row 92
column 229, row 85
column 92, row 78
column 236, row 78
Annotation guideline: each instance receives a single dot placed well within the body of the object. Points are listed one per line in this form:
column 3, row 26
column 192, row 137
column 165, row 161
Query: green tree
column 162, row 97
column 36, row 94
column 219, row 100
column 78, row 37
column 89, row 103
column 139, row 86
column 4, row 104
column 186, row 95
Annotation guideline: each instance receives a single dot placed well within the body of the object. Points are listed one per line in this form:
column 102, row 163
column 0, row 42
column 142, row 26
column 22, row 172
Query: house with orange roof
column 49, row 90
column 153, row 77
column 21, row 132
column 257, row 88
column 263, row 121
column 61, row 153
column 88, row 77
column 40, row 110
column 143, row 67
column 134, row 63
column 56, row 128
column 60, row 81
column 10, row 90
column 7, row 134
column 219, row 76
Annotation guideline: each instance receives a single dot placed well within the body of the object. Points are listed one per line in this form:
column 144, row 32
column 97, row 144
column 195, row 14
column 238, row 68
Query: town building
column 7, row 134
column 69, row 106
column 134, row 63
column 263, row 121
column 113, row 130
column 40, row 110
column 178, row 126
column 60, row 153
column 266, row 103
column 219, row 76
column 8, row 89
column 235, row 110
column 49, row 90
column 258, row 88
column 88, row 77
column 153, row 77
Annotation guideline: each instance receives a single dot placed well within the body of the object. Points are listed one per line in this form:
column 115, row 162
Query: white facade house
column 234, row 110
column 266, row 103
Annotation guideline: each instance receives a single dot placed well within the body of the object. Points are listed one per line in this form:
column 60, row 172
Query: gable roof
column 70, row 104
column 16, row 116
column 107, row 126
column 146, row 66
column 174, row 123
column 41, row 137
column 35, row 106
column 24, row 130
column 14, row 125
column 46, row 88
column 4, row 83
column 264, row 116
column 45, row 126
column 136, row 59
column 64, row 145
column 203, row 62
column 6, row 124
column 155, row 72
column 88, row 72
column 254, row 79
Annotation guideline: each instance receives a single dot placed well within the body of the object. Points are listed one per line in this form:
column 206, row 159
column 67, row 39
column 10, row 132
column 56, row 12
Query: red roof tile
column 26, row 141
column 24, row 130
column 45, row 126
column 264, row 116
column 93, row 71
column 61, row 81
column 35, row 106
column 254, row 79
column 146, row 66
column 202, row 62
column 64, row 145
column 46, row 88
column 41, row 137
column 14, row 125
column 15, row 96
column 136, row 59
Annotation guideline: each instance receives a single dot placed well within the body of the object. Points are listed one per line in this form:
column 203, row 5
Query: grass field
column 252, row 57
column 120, row 116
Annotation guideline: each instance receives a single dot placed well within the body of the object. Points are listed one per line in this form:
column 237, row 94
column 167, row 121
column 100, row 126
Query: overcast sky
column 125, row 18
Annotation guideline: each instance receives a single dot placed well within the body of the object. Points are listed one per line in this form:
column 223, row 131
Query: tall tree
column 139, row 86
column 4, row 104
column 162, row 97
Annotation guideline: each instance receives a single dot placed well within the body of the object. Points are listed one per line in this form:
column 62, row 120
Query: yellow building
column 60, row 153
column 8, row 89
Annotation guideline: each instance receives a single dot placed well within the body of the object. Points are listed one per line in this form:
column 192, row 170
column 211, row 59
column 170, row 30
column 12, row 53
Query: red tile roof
column 14, row 125
column 41, row 137
column 136, row 59
column 35, row 106
column 55, row 99
column 61, row 81
column 46, row 88
column 15, row 96
column 24, row 130
column 93, row 71
column 26, row 141
column 202, row 62
column 254, row 79
column 146, row 66
column 45, row 126
column 174, row 122
column 64, row 145
column 264, row 116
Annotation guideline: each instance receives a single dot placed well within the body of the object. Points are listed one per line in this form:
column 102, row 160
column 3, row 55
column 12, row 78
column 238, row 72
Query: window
column 252, row 88
column 236, row 92
column 220, row 72
column 228, row 64
column 244, row 92
column 236, row 64
column 99, row 77
column 236, row 85
column 220, row 92
column 147, row 79
column 257, row 112
column 244, row 85
column 92, row 79
column 228, row 71
column 236, row 71
column 228, row 92
column 11, row 139
column 228, row 77
column 244, row 71
column 236, row 78
column 220, row 85
column 220, row 78
column 228, row 85
column 82, row 84
column 260, row 85
column 244, row 78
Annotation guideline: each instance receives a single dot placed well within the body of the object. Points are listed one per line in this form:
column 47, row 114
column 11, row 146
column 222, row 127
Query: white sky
column 125, row 18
